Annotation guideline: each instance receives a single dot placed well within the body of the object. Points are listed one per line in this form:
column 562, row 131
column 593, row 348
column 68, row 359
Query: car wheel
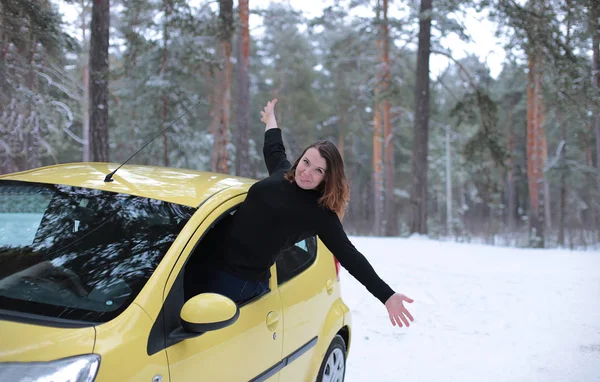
column 333, row 367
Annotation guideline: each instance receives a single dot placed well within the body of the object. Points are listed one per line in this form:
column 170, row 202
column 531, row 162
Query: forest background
column 453, row 153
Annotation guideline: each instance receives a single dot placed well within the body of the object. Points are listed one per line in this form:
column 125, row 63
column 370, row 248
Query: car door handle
column 329, row 286
column 272, row 321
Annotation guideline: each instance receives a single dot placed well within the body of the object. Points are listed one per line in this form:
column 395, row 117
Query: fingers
column 397, row 321
column 404, row 320
column 271, row 105
column 401, row 319
column 407, row 299
column 268, row 113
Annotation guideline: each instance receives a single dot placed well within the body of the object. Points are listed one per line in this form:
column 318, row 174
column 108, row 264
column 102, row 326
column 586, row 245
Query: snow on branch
column 59, row 86
column 556, row 158
column 65, row 110
column 6, row 147
column 462, row 68
column 48, row 148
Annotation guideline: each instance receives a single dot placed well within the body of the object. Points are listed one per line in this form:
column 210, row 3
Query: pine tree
column 31, row 91
column 223, row 89
column 378, row 181
column 242, row 104
column 99, row 78
column 418, row 196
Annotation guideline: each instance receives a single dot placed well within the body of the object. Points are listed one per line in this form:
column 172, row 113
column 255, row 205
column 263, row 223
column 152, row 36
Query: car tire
column 333, row 368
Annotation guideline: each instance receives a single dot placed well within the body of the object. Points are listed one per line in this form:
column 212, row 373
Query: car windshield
column 79, row 254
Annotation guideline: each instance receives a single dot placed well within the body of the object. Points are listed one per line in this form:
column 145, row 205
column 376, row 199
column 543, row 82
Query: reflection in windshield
column 78, row 253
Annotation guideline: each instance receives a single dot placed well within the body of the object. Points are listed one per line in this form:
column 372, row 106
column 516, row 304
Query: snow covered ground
column 481, row 314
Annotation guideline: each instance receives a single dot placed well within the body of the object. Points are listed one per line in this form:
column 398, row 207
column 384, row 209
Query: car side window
column 201, row 262
column 296, row 259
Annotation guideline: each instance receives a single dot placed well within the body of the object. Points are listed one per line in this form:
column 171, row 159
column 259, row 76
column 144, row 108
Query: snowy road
column 481, row 314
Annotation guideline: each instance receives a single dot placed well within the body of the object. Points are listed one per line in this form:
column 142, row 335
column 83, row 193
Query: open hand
column 398, row 313
column 268, row 115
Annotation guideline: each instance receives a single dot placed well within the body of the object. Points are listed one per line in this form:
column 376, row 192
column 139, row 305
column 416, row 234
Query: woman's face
column 310, row 170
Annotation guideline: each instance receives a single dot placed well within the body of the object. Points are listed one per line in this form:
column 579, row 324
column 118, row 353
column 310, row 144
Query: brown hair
column 335, row 191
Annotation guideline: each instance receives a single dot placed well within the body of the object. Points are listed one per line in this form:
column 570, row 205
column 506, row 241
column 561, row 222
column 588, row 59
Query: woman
column 295, row 202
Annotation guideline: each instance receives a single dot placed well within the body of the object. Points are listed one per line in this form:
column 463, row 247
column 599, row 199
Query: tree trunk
column 340, row 145
column 163, row 74
column 589, row 157
column 242, row 158
column 223, row 88
column 390, row 181
column 342, row 108
column 448, row 182
column 130, row 68
column 595, row 32
column 418, row 196
column 595, row 29
column 547, row 203
column 563, row 182
column 3, row 84
column 85, row 99
column 99, row 80
column 377, row 141
column 377, row 168
column 510, row 176
column 535, row 151
column 563, row 136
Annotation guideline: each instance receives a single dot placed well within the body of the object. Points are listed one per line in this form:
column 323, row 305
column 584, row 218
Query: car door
column 247, row 350
column 305, row 283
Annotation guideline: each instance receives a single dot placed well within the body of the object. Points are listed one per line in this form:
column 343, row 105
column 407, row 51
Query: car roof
column 181, row 186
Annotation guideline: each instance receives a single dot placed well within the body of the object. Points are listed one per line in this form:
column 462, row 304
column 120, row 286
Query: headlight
column 82, row 368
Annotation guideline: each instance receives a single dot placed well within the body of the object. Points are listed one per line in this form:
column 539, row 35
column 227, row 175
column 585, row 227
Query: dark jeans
column 238, row 290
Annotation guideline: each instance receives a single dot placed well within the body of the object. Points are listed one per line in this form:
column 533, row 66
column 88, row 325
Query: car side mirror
column 208, row 311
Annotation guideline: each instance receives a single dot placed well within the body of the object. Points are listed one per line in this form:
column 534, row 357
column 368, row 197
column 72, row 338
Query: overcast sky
column 484, row 45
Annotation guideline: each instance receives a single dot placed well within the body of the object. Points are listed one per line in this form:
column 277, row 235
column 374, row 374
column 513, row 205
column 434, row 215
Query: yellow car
column 96, row 284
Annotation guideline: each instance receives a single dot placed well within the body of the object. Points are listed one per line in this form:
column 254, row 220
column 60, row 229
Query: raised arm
column 268, row 115
column 273, row 149
column 333, row 236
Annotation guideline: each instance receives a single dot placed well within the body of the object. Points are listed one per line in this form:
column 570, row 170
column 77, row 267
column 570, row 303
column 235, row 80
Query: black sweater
column 276, row 214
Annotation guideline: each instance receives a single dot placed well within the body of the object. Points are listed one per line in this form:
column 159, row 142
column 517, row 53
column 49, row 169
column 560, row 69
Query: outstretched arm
column 337, row 242
column 273, row 149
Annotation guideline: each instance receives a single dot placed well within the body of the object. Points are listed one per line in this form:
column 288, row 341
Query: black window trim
column 36, row 319
column 304, row 267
